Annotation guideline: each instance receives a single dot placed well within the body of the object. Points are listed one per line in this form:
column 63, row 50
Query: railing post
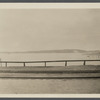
column 24, row 64
column 0, row 62
column 6, row 64
column 84, row 62
column 45, row 63
column 65, row 63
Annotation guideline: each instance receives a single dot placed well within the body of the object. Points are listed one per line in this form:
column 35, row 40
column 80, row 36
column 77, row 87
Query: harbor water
column 47, row 56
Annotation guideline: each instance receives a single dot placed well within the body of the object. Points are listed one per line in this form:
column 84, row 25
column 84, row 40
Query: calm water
column 40, row 56
column 46, row 56
column 49, row 86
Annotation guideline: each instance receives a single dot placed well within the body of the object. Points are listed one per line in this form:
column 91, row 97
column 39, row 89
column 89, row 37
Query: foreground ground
column 50, row 72
column 50, row 86
column 50, row 80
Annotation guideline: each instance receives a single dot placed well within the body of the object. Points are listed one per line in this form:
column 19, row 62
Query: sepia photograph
column 50, row 51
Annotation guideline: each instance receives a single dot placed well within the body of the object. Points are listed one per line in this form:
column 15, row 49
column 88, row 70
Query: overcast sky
column 44, row 29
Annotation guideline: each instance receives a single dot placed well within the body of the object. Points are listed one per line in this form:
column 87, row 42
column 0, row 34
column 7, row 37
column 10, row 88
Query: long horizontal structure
column 45, row 62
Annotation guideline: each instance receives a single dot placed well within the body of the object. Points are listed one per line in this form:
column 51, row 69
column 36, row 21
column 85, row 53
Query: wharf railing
column 45, row 62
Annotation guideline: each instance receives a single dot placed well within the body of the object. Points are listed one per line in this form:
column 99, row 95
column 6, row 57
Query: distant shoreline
column 97, row 52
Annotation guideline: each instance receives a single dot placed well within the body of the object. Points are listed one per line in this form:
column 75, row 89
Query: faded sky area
column 49, row 29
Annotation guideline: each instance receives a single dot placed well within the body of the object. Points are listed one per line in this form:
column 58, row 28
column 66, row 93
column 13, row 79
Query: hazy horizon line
column 45, row 50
